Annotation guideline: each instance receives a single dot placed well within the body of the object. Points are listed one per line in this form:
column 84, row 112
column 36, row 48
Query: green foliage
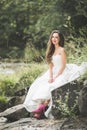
column 7, row 86
column 32, row 54
column 29, row 74
column 22, row 78
column 76, row 50
column 23, row 19
column 3, row 99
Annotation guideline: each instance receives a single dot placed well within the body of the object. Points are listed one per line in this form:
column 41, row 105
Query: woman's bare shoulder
column 62, row 49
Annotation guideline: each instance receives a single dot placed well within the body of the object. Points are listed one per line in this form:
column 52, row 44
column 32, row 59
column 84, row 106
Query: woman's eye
column 55, row 37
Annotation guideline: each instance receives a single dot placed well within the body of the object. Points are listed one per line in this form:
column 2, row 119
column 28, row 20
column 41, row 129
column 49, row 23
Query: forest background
column 25, row 26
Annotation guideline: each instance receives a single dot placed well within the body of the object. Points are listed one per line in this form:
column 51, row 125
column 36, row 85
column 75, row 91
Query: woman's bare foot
column 39, row 112
column 47, row 102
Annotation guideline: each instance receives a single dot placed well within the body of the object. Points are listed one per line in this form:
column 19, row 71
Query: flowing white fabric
column 41, row 88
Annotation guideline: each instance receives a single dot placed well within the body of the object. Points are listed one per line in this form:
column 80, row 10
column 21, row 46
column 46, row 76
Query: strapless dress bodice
column 57, row 61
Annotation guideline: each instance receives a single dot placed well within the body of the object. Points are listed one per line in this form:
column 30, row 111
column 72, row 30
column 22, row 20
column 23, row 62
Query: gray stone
column 82, row 101
column 33, row 124
column 16, row 100
column 71, row 91
column 46, row 124
column 15, row 113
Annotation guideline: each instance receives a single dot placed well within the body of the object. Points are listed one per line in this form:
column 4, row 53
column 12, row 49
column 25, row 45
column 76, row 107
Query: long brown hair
column 51, row 47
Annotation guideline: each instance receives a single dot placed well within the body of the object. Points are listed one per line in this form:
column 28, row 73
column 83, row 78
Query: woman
column 38, row 99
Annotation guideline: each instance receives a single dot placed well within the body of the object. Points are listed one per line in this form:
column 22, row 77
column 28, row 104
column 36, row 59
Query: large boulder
column 15, row 100
column 73, row 95
column 65, row 96
column 82, row 101
column 15, row 113
column 3, row 106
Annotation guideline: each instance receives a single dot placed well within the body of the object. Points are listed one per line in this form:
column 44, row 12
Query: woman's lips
column 54, row 41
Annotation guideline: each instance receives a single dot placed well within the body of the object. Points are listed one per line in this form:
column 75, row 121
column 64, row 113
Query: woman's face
column 55, row 38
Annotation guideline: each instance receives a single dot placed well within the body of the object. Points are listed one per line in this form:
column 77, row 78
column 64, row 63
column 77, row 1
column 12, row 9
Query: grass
column 22, row 78
column 76, row 54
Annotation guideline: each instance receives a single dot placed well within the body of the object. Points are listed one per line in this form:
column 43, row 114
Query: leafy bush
column 32, row 54
column 3, row 99
column 22, row 78
column 30, row 75
column 7, row 86
column 76, row 50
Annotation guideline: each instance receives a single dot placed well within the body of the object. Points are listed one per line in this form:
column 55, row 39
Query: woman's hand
column 56, row 77
column 53, row 79
column 50, row 80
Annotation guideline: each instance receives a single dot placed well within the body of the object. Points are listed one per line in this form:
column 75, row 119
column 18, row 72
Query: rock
column 66, row 94
column 21, row 92
column 75, row 123
column 3, row 106
column 15, row 113
column 3, row 120
column 46, row 124
column 82, row 101
column 33, row 124
column 15, row 101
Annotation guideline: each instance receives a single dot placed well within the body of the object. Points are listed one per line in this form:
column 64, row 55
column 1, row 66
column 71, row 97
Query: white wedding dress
column 41, row 89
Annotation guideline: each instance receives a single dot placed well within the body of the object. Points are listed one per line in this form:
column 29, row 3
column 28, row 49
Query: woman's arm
column 63, row 55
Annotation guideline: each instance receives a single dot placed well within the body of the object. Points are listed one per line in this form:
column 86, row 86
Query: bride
column 39, row 98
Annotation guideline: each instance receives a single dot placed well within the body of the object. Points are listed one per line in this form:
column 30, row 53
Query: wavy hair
column 51, row 47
